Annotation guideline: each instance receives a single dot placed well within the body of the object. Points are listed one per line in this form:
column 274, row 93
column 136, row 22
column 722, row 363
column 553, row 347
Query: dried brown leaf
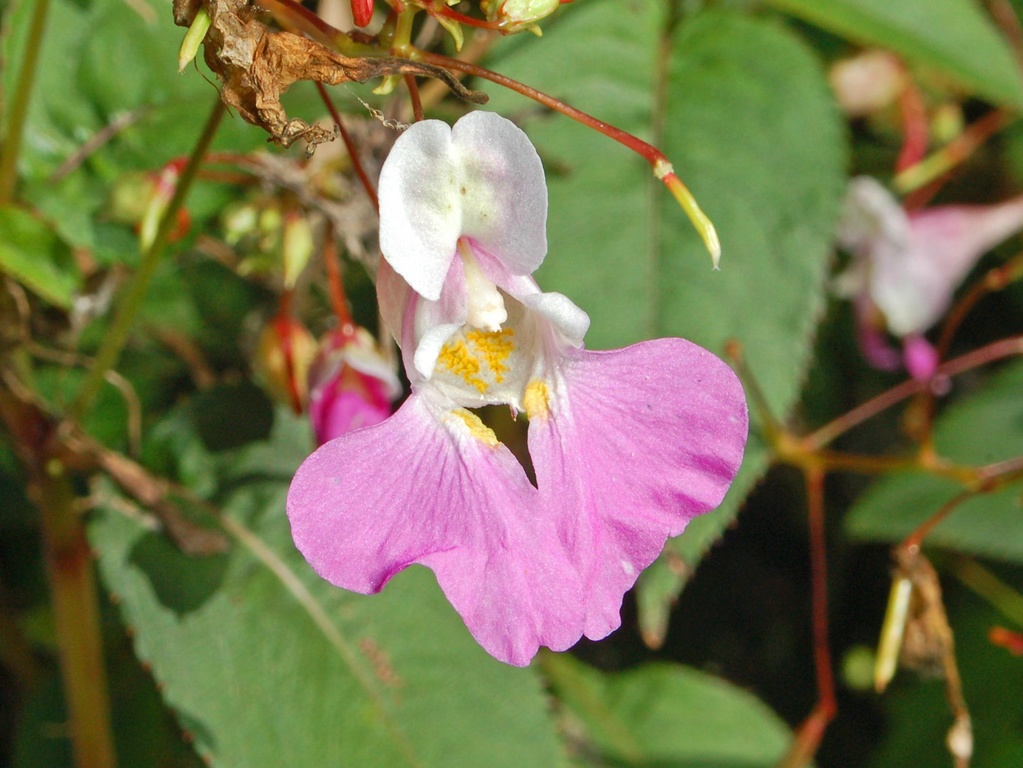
column 256, row 65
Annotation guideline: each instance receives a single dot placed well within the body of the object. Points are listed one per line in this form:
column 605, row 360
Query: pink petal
column 425, row 488
column 920, row 357
column 481, row 179
column 915, row 287
column 353, row 402
column 870, row 332
column 636, row 442
column 392, row 298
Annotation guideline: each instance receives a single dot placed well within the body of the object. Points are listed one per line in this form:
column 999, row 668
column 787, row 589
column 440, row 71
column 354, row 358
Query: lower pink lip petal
column 636, row 442
column 422, row 488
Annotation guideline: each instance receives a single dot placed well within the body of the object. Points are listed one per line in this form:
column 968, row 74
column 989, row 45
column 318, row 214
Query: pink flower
column 627, row 446
column 351, row 386
column 907, row 267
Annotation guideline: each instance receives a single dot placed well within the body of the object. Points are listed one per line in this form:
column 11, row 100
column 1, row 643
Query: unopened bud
column 351, row 385
column 129, row 197
column 193, row 38
column 517, row 15
column 296, row 246
column 947, row 123
column 892, row 632
column 239, row 221
column 867, row 82
column 283, row 356
column 1006, row 638
column 387, row 85
column 362, row 12
column 161, row 193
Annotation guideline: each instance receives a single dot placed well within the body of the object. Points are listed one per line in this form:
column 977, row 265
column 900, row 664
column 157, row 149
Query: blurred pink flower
column 627, row 446
column 351, row 385
column 907, row 266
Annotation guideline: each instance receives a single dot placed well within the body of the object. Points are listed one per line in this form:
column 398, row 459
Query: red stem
column 648, row 152
column 659, row 163
column 915, row 539
column 338, row 299
column 819, row 577
column 914, row 126
column 996, row 350
column 284, row 323
column 353, row 151
column 439, row 9
column 413, row 93
column 995, row 280
column 808, row 736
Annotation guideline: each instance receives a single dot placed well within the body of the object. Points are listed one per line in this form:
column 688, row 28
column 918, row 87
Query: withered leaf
column 256, row 65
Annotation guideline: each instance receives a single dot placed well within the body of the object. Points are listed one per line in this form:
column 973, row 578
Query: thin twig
column 97, row 140
column 990, row 353
column 353, row 151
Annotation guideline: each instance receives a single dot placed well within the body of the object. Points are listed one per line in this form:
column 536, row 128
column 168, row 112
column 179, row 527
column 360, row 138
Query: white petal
column 871, row 214
column 505, row 207
column 420, row 220
column 562, row 313
column 481, row 179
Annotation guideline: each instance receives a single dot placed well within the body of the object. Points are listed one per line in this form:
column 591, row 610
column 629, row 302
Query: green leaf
column 108, row 99
column 267, row 665
column 33, row 255
column 666, row 715
column 983, row 428
column 749, row 123
column 955, row 37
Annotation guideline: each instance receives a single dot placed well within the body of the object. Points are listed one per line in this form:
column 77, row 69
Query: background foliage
column 241, row 656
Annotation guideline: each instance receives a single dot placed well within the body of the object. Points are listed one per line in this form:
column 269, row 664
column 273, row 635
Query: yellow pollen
column 536, row 399
column 477, row 428
column 495, row 346
column 457, row 358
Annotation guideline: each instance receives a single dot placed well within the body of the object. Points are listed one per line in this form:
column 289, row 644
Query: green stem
column 19, row 106
column 117, row 334
column 77, row 619
column 1004, row 598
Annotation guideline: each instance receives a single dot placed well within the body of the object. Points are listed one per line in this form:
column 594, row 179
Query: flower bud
column 351, row 384
column 283, row 355
column 297, row 246
column 517, row 15
column 129, row 197
column 239, row 221
column 194, row 38
column 1007, row 639
column 161, row 193
column 362, row 12
column 867, row 82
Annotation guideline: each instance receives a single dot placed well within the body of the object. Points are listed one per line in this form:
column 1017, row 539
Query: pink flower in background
column 350, row 384
column 907, row 267
column 627, row 446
